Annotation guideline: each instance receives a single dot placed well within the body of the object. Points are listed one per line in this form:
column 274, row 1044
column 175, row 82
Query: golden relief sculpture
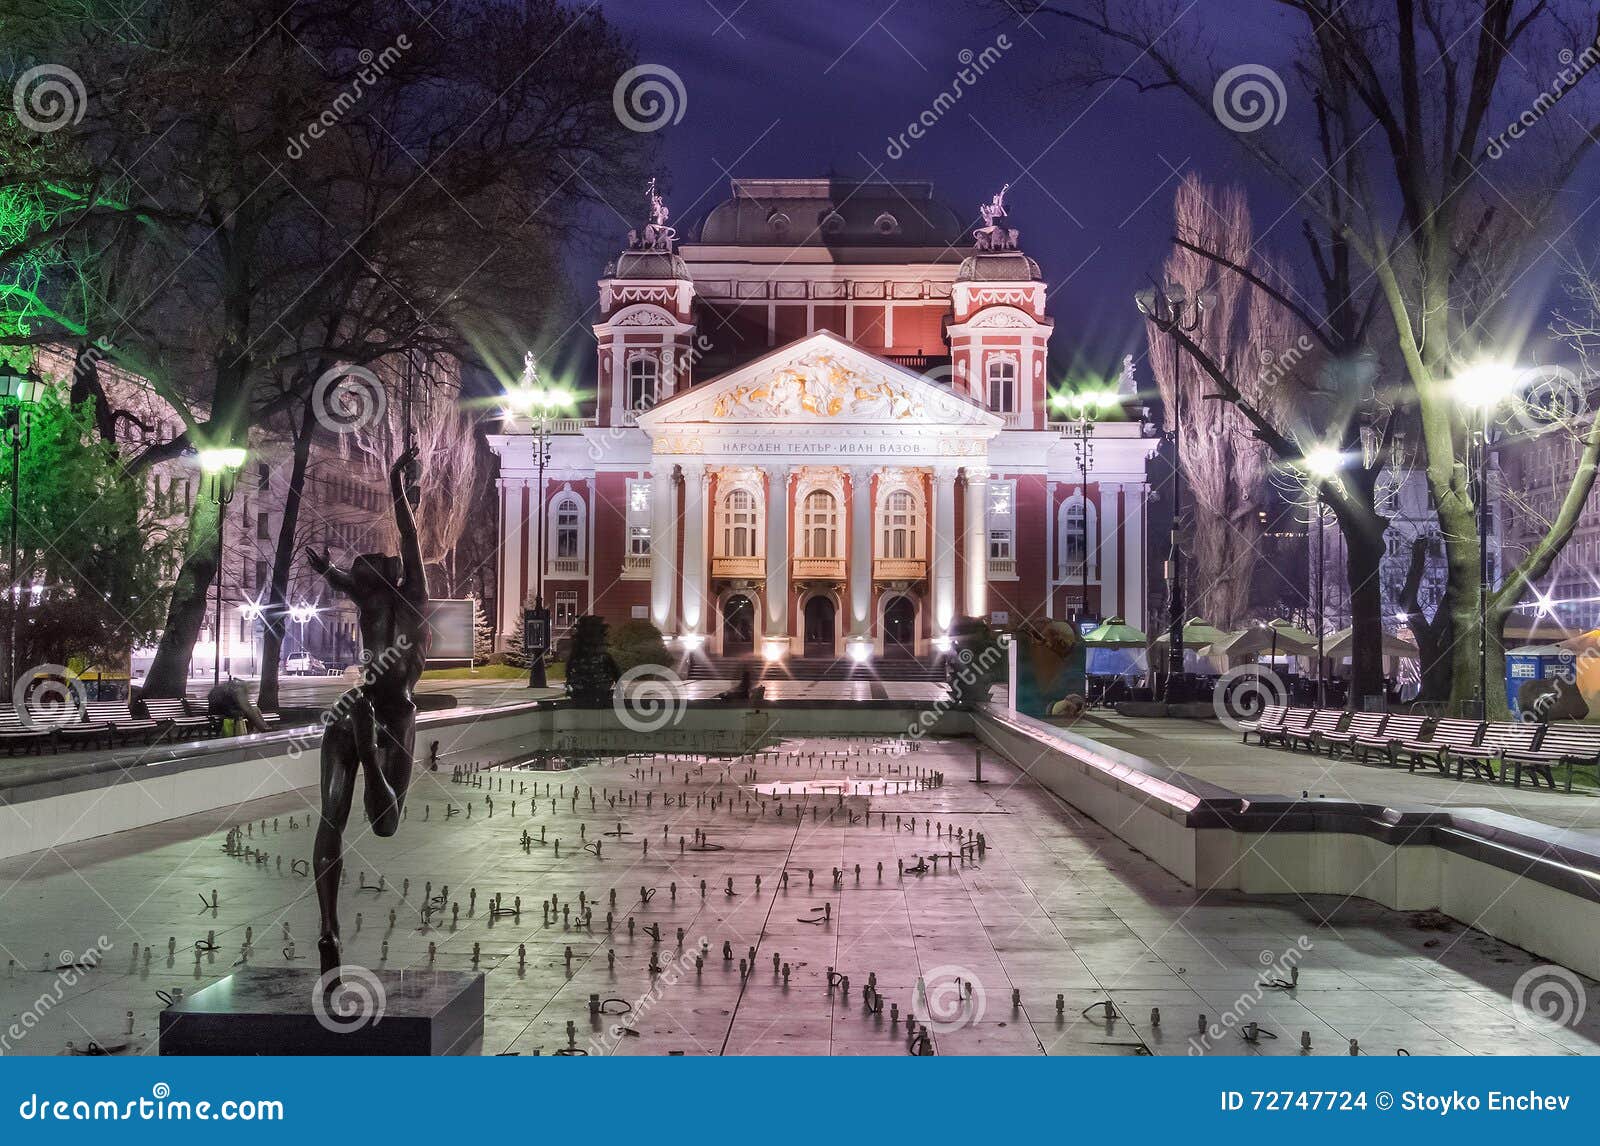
column 822, row 386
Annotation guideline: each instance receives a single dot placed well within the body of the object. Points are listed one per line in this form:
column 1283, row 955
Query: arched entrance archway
column 738, row 626
column 820, row 617
column 900, row 628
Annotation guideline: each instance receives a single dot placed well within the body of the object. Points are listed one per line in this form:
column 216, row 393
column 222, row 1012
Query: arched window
column 739, row 524
column 643, row 377
column 1076, row 524
column 899, row 520
column 1002, row 391
column 566, row 546
column 821, row 523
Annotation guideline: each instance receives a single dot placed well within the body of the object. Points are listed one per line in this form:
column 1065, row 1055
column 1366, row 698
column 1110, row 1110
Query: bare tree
column 1414, row 100
column 1224, row 464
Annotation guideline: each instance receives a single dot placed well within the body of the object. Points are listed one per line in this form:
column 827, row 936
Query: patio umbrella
column 1260, row 639
column 1196, row 634
column 1115, row 634
column 1339, row 644
column 1583, row 643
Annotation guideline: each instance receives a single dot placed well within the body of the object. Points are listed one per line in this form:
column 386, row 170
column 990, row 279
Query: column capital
column 945, row 473
column 977, row 473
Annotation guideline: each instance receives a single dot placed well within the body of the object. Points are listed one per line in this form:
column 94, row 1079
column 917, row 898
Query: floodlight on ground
column 860, row 650
column 692, row 642
column 774, row 650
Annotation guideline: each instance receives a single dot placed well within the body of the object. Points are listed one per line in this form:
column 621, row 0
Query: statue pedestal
column 271, row 1011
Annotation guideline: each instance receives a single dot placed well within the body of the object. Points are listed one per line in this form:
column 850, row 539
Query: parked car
column 304, row 664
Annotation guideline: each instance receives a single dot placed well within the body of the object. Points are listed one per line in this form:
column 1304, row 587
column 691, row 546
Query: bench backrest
column 1456, row 732
column 1403, row 726
column 1298, row 718
column 1327, row 720
column 1367, row 724
column 107, row 712
column 1271, row 715
column 11, row 722
column 1572, row 738
column 166, row 708
column 1511, row 736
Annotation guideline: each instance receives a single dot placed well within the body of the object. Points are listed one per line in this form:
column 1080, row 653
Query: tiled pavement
column 1056, row 907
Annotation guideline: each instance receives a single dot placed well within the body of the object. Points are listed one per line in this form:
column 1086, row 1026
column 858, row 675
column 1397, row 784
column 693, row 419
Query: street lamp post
column 1482, row 388
column 220, row 464
column 1323, row 463
column 533, row 400
column 1079, row 430
column 19, row 391
column 300, row 614
column 1173, row 310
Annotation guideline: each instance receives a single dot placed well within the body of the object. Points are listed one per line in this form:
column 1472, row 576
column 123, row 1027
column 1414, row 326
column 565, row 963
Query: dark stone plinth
column 272, row 1011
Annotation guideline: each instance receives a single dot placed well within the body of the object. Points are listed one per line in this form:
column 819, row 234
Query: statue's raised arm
column 414, row 577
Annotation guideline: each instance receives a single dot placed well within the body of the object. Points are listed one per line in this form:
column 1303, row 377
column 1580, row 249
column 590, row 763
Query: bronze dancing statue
column 373, row 726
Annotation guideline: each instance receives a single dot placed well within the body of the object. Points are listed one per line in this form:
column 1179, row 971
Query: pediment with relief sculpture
column 821, row 379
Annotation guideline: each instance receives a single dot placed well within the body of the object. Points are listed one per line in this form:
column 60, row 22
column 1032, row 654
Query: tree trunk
column 169, row 671
column 277, row 610
column 1363, row 558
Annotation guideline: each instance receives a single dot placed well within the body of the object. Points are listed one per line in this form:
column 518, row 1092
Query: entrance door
column 738, row 626
column 819, row 627
column 900, row 627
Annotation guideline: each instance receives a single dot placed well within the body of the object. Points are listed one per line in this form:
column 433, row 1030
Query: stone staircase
column 703, row 667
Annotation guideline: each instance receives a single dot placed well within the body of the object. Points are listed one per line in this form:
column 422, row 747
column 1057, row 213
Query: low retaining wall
column 48, row 804
column 1523, row 882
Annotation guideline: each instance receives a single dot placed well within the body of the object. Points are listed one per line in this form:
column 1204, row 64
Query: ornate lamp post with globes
column 539, row 403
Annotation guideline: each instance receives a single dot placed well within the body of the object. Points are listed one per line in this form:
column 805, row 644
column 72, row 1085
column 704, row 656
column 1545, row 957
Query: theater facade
column 822, row 428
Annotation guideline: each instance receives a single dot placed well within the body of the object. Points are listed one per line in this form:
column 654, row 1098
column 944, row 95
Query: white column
column 777, row 626
column 695, row 480
column 663, row 545
column 1110, row 581
column 1049, row 549
column 942, row 549
column 1133, row 529
column 862, row 513
column 977, row 544
column 514, row 546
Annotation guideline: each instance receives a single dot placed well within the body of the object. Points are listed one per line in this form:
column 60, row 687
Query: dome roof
column 831, row 213
column 1001, row 266
column 647, row 265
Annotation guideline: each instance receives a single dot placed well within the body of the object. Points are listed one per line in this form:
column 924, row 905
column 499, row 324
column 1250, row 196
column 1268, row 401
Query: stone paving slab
column 1015, row 952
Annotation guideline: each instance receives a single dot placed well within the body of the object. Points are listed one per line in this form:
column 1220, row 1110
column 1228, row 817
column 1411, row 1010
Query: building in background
column 821, row 427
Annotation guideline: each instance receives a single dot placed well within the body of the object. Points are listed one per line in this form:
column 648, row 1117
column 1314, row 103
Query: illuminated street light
column 530, row 398
column 1486, row 385
column 220, row 463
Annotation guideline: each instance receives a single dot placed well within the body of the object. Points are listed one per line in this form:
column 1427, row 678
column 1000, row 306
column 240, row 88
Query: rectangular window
column 263, row 476
column 638, row 519
column 261, row 575
column 566, row 613
column 1002, row 386
column 999, row 545
column 263, row 526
